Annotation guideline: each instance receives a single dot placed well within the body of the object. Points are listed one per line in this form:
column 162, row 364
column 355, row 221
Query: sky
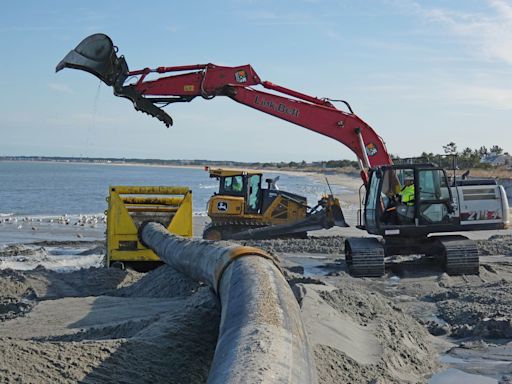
column 421, row 73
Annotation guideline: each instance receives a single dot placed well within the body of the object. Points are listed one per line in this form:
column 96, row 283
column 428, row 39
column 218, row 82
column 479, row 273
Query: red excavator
column 436, row 203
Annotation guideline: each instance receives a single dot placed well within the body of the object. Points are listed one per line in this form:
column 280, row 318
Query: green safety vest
column 407, row 194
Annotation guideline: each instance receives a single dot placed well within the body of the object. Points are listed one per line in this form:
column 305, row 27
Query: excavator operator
column 399, row 208
column 407, row 192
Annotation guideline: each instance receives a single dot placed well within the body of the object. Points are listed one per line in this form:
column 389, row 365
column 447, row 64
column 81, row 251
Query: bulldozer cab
column 413, row 199
column 245, row 184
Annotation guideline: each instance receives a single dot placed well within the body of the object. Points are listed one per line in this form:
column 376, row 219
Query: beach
column 65, row 318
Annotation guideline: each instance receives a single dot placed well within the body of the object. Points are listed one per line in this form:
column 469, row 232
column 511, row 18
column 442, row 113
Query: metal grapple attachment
column 97, row 55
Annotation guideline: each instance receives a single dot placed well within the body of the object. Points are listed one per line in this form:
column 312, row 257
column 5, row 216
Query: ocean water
column 58, row 188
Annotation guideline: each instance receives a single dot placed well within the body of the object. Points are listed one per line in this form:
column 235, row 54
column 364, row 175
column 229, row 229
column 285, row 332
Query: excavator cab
column 409, row 214
column 408, row 200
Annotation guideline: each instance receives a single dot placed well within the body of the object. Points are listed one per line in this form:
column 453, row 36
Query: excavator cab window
column 406, row 196
column 434, row 196
column 371, row 208
column 387, row 197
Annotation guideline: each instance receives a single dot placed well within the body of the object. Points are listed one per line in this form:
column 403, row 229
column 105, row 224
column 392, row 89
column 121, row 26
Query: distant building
column 496, row 160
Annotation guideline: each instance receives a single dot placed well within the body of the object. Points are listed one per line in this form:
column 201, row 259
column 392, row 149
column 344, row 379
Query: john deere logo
column 222, row 206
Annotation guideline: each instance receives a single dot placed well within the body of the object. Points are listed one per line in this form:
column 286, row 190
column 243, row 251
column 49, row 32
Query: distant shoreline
column 348, row 177
column 135, row 164
column 281, row 167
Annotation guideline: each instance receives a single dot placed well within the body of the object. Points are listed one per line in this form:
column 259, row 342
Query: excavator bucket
column 97, row 55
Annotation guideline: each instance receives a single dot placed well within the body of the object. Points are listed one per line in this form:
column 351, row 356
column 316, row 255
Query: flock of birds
column 81, row 220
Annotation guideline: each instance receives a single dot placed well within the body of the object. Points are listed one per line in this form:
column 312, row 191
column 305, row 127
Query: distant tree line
column 465, row 158
column 330, row 164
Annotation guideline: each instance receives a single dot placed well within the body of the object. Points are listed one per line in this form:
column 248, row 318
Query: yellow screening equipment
column 130, row 206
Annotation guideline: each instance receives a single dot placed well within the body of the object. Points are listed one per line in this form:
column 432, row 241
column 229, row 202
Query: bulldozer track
column 364, row 257
column 227, row 228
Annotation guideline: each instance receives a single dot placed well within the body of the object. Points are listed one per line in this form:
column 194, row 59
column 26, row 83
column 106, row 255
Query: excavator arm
column 97, row 55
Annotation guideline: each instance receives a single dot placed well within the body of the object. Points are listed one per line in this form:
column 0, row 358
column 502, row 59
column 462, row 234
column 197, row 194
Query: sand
column 106, row 325
column 99, row 325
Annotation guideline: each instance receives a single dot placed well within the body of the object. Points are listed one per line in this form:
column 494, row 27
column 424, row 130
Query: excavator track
column 461, row 256
column 364, row 257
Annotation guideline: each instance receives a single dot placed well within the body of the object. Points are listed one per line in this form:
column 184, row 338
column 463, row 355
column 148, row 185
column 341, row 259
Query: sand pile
column 361, row 337
column 325, row 245
column 482, row 311
column 496, row 245
column 162, row 282
column 107, row 325
column 16, row 295
column 21, row 250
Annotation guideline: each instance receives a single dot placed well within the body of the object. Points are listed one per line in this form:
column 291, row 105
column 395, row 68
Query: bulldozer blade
column 339, row 218
column 323, row 219
column 96, row 54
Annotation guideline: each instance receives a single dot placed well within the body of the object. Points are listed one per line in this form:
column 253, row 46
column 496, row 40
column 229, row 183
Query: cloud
column 488, row 31
column 171, row 28
column 260, row 15
column 265, row 17
column 61, row 88
column 448, row 92
column 85, row 119
column 495, row 97
column 23, row 29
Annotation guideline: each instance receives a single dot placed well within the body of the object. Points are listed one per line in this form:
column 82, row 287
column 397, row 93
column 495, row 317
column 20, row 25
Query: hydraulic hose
column 261, row 337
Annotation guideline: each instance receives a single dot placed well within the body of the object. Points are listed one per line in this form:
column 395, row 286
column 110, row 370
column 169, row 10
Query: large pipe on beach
column 261, row 338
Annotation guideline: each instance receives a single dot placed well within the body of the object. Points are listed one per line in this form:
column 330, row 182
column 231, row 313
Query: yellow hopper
column 131, row 206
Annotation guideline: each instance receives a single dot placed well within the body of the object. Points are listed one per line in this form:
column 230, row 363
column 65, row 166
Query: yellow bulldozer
column 244, row 209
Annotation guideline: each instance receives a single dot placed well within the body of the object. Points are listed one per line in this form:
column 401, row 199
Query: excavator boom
column 97, row 55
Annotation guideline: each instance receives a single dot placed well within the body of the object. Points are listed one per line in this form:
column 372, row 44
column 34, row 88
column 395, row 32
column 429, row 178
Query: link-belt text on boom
column 276, row 107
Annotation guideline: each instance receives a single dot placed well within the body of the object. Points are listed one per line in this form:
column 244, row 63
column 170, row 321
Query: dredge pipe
column 261, row 337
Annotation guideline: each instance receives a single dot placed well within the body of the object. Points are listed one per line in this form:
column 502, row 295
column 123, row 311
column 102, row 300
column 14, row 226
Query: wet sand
column 101, row 325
